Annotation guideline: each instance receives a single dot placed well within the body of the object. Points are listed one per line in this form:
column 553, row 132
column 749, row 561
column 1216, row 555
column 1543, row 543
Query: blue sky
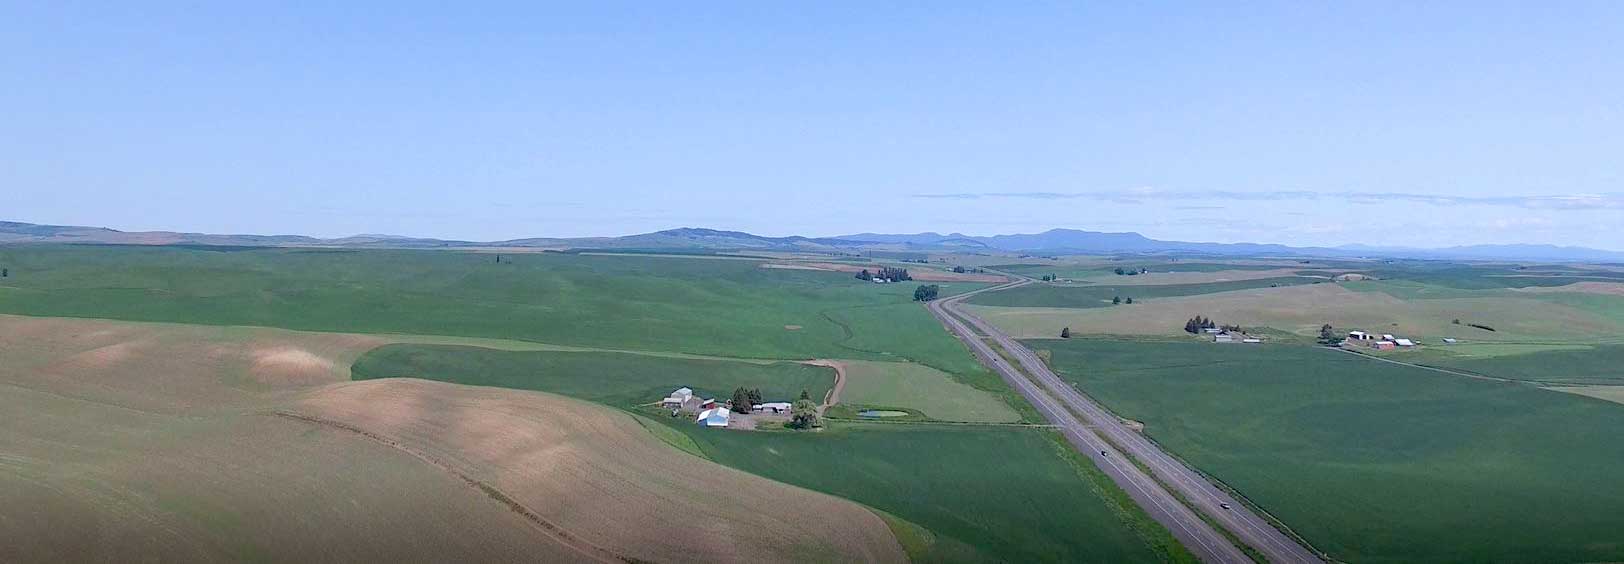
column 1301, row 123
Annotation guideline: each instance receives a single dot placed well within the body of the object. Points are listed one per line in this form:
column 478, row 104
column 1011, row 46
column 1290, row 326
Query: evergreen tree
column 1116, row 300
column 864, row 275
column 1129, row 300
column 1065, row 332
column 741, row 400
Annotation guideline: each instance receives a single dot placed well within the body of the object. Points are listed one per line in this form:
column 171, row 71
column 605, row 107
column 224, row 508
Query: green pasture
column 1376, row 462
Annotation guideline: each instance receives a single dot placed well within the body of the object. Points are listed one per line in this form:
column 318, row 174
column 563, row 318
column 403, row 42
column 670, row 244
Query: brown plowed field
column 161, row 442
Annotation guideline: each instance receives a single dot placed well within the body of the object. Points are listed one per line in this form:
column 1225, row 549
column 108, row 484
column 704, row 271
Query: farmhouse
column 714, row 417
column 772, row 406
column 1358, row 335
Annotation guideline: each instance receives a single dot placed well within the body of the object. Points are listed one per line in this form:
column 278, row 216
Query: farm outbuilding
column 714, row 417
column 677, row 398
column 772, row 406
column 1384, row 345
column 1223, row 338
column 1404, row 342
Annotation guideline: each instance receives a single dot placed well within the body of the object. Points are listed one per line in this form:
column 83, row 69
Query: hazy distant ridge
column 1053, row 241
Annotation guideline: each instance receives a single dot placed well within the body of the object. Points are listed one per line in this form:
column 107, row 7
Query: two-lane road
column 1237, row 518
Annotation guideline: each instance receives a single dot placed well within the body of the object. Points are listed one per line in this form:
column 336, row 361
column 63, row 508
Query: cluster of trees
column 803, row 414
column 886, row 273
column 962, row 270
column 1049, row 278
column 5, row 273
column 1065, row 332
column 744, row 399
column 1197, row 323
column 1118, row 300
column 1131, row 272
column 926, row 292
column 1328, row 336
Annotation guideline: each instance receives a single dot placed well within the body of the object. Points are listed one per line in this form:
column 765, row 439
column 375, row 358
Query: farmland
column 168, row 442
column 1588, row 365
column 1008, row 494
column 617, row 331
column 675, row 304
column 1375, row 462
column 1517, row 318
column 974, row 524
column 1094, row 296
column 617, row 379
column 920, row 387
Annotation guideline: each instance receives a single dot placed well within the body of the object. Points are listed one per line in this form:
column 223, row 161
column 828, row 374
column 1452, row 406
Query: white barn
column 677, row 398
column 773, row 406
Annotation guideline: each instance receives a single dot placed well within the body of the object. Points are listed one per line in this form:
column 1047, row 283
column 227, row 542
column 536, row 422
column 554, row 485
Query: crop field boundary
column 540, row 523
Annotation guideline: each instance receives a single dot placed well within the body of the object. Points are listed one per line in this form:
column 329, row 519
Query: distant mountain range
column 1051, row 242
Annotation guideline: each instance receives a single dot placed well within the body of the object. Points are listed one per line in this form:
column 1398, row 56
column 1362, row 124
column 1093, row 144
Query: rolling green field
column 920, row 387
column 987, row 493
column 1600, row 364
column 1045, row 295
column 973, row 487
column 618, row 379
column 1375, row 462
column 677, row 304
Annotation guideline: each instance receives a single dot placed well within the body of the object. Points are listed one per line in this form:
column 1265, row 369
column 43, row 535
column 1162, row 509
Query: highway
column 1063, row 405
column 1200, row 538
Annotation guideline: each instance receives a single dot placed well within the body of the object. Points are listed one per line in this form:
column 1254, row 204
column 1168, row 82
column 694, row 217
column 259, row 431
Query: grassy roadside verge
column 1160, row 540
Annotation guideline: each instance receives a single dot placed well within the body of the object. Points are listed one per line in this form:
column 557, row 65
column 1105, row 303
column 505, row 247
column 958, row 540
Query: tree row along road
column 1063, row 405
